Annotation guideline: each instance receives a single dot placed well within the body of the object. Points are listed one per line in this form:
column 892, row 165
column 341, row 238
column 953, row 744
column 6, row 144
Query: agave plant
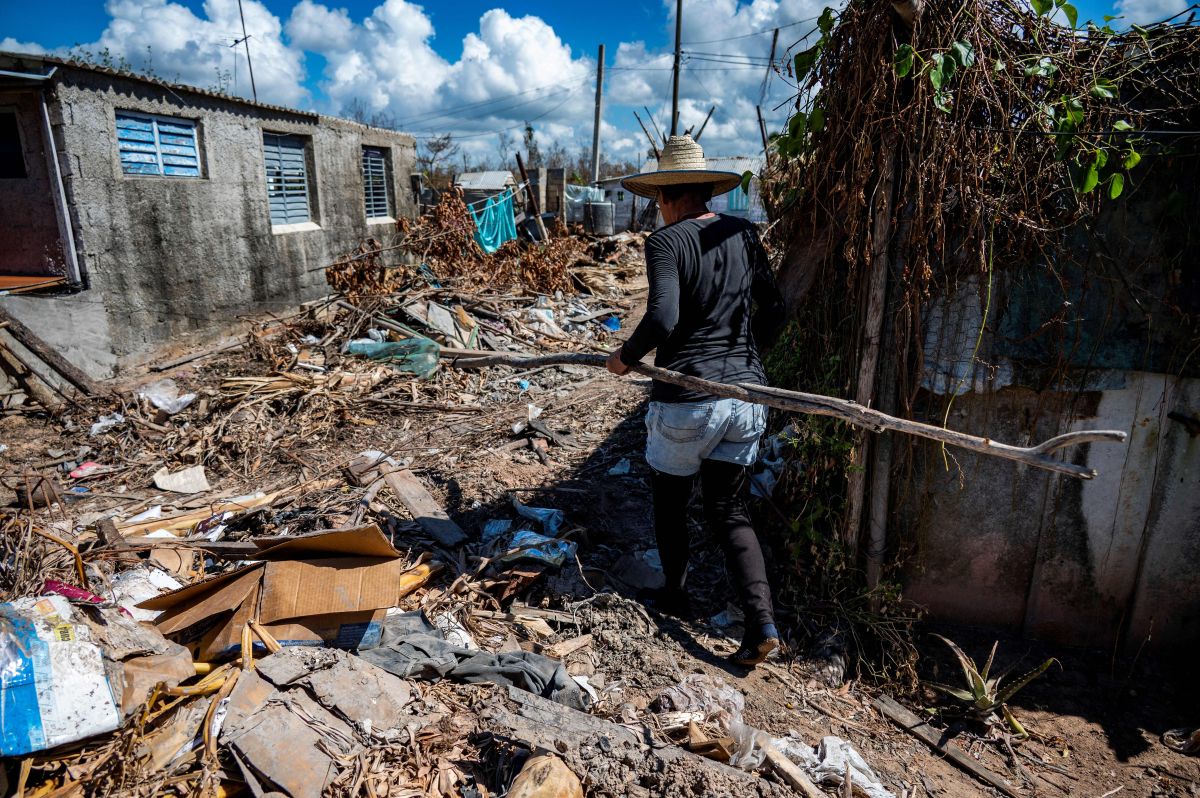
column 983, row 696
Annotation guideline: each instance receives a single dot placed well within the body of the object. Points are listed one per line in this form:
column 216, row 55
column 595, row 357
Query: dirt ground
column 1097, row 723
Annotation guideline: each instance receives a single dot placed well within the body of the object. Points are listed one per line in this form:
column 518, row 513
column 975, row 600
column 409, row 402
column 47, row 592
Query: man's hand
column 614, row 363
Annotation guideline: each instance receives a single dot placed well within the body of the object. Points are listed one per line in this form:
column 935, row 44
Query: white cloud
column 1142, row 12
column 10, row 45
column 175, row 43
column 314, row 27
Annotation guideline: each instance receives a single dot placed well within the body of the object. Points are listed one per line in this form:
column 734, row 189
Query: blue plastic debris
column 550, row 519
column 612, row 323
column 523, row 385
column 417, row 356
column 539, row 548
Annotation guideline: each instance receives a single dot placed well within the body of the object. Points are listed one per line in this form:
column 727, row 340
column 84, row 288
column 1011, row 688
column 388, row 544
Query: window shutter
column 153, row 145
column 287, row 178
column 375, row 183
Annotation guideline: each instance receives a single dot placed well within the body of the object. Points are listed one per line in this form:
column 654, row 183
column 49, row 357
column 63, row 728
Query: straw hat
column 682, row 161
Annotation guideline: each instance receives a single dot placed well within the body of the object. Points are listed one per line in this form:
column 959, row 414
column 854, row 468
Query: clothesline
column 499, row 197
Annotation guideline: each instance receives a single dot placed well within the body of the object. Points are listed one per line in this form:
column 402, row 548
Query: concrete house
column 139, row 216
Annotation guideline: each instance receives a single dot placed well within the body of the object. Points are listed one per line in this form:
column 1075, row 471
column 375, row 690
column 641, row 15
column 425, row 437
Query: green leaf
column 936, row 77
column 806, row 60
column 963, row 54
column 816, row 120
column 1043, row 68
column 999, row 66
column 825, row 21
column 1132, row 159
column 797, row 125
column 1071, row 13
column 941, row 101
column 1008, row 692
column 747, row 176
column 974, row 680
column 903, row 60
column 988, row 665
column 1103, row 89
column 1101, row 159
column 1121, row 124
column 1042, row 7
column 1116, row 184
column 1075, row 110
column 1091, row 179
column 954, row 692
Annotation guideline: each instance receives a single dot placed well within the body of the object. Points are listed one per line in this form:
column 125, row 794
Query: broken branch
column 844, row 409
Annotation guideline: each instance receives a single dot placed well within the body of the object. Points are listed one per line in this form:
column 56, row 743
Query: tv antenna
column 246, row 41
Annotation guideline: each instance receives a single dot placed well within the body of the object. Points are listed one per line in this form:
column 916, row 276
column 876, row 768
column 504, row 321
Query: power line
column 467, row 106
column 755, row 33
column 460, row 136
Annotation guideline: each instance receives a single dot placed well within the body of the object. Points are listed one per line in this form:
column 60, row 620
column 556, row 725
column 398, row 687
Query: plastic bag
column 105, row 423
column 549, row 518
column 417, row 356
column 164, row 394
column 551, row 551
column 700, row 692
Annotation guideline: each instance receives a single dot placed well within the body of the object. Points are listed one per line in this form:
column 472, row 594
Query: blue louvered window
column 739, row 200
column 287, row 178
column 375, row 182
column 157, row 145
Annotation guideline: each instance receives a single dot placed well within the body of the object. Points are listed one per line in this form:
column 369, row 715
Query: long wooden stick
column 815, row 404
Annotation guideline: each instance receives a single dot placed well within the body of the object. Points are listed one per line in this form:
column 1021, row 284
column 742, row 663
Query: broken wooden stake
column 815, row 404
column 938, row 742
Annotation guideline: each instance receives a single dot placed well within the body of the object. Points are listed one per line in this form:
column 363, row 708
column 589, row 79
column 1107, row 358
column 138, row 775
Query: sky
column 474, row 68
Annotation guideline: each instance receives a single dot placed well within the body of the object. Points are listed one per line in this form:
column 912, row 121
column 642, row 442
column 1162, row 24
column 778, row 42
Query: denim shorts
column 682, row 434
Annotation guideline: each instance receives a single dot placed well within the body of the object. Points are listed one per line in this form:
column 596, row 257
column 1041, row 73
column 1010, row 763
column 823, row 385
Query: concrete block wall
column 171, row 261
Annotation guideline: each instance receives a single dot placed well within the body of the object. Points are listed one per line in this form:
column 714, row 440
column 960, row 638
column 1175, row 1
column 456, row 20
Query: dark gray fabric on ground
column 412, row 648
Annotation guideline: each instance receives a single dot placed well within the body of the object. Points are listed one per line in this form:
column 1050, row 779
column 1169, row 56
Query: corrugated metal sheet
column 287, row 178
column 485, row 181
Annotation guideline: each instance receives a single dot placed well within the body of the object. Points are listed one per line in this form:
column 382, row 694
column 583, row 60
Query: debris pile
column 323, row 564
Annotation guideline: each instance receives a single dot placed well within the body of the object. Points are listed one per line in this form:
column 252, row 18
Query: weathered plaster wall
column 29, row 236
column 1105, row 563
column 172, row 260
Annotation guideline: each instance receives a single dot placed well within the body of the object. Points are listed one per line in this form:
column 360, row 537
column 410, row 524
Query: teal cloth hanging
column 494, row 223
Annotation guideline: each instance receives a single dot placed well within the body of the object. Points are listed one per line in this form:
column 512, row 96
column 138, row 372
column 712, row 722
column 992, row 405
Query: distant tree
column 436, row 155
column 533, row 156
column 504, row 149
column 358, row 111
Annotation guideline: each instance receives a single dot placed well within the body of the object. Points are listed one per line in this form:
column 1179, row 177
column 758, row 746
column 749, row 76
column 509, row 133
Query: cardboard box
column 329, row 588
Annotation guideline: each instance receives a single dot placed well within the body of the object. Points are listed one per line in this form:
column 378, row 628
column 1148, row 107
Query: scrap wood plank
column 66, row 369
column 938, row 742
column 424, row 508
column 795, row 778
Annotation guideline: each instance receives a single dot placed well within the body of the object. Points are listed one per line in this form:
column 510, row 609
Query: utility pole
column 246, row 41
column 599, row 107
column 675, row 81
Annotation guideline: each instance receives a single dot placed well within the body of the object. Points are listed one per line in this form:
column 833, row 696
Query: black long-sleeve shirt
column 712, row 302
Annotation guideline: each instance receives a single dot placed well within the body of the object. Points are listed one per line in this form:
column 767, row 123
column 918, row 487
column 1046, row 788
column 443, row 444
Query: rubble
column 395, row 578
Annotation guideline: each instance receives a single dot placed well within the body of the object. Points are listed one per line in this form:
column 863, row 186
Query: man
column 712, row 302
